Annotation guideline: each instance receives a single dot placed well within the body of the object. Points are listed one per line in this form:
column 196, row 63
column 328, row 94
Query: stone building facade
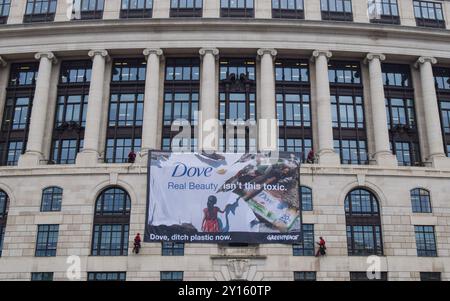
column 366, row 84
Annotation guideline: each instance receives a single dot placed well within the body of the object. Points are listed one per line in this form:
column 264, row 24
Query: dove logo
column 181, row 170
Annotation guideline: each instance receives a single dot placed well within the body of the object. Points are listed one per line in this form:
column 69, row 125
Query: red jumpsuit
column 210, row 221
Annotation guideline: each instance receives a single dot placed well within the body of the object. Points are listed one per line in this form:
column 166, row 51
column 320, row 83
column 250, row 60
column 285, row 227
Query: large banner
column 223, row 198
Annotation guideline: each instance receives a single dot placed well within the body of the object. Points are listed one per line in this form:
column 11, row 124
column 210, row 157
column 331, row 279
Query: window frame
column 442, row 74
column 420, row 232
column 247, row 11
column 335, row 15
column 186, row 12
column 307, row 245
column 385, row 17
column 32, row 16
column 305, row 276
column 119, row 276
column 55, row 205
column 5, row 6
column 288, row 13
column 3, row 217
column 87, row 12
column 41, row 276
column 428, row 22
column 51, row 233
column 131, row 13
column 420, row 206
column 172, row 275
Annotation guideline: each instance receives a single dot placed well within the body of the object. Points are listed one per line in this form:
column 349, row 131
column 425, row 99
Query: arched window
column 420, row 200
column 363, row 223
column 111, row 223
column 4, row 200
column 51, row 199
column 306, row 198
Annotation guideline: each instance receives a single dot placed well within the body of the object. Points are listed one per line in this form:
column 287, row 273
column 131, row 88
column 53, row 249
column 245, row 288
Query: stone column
column 263, row 9
column 34, row 152
column 211, row 9
column 16, row 11
column 383, row 154
column 91, row 151
column 312, row 10
column 4, row 76
column 151, row 100
column 326, row 152
column 267, row 123
column 431, row 111
column 209, row 125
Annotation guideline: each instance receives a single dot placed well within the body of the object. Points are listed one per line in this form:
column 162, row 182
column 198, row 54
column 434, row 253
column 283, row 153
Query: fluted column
column 151, row 100
column 431, row 111
column 209, row 125
column 326, row 152
column 39, row 115
column 383, row 154
column 91, row 150
column 267, row 123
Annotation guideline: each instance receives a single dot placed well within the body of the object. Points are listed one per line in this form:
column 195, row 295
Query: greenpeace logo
column 181, row 170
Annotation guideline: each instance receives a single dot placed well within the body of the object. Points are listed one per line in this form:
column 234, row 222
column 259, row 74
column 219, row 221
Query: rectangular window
column 17, row 112
column 400, row 114
column 301, row 146
column 129, row 71
column 347, row 111
column 448, row 150
column 304, row 276
column 442, row 80
column 237, row 8
column 4, row 10
column 344, row 73
column 87, row 9
column 110, row 240
column 186, row 8
column 430, row 276
column 407, row 153
column 364, row 240
column 42, row 276
column 75, row 72
column 352, row 151
column 306, row 247
column 136, row 9
column 290, row 9
column 383, row 11
column 107, row 276
column 306, row 198
column 51, row 199
column 40, row 11
column 425, row 241
column 117, row 150
column 171, row 276
column 363, row 276
column 336, row 10
column 71, row 111
column 172, row 249
column 47, row 240
column 65, row 151
column 181, row 101
column 429, row 14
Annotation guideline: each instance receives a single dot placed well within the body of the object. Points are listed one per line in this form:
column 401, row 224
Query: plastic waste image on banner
column 223, row 198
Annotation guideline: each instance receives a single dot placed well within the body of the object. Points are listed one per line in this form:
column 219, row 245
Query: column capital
column 3, row 63
column 102, row 52
column 271, row 51
column 425, row 59
column 48, row 55
column 157, row 51
column 371, row 56
column 213, row 51
column 316, row 53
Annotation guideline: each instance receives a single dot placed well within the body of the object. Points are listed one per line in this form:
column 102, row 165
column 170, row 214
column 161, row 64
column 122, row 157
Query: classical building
column 365, row 83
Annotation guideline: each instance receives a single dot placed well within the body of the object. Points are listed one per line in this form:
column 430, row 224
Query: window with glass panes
column 47, row 240
column 111, row 223
column 42, row 276
column 17, row 112
column 107, row 276
column 304, row 276
column 429, row 14
column 430, row 276
column 442, row 83
column 347, row 108
column 290, row 9
column 306, row 246
column 237, row 104
column 363, row 223
column 336, row 10
column 4, row 203
column 420, row 200
column 401, row 116
column 172, row 249
column 237, row 8
column 383, row 11
column 293, row 106
column 51, row 199
column 136, row 9
column 171, row 276
column 306, row 198
column 88, row 9
column 126, row 109
column 40, row 11
column 71, row 109
column 425, row 241
column 5, row 5
column 364, row 276
column 186, row 8
column 181, row 102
